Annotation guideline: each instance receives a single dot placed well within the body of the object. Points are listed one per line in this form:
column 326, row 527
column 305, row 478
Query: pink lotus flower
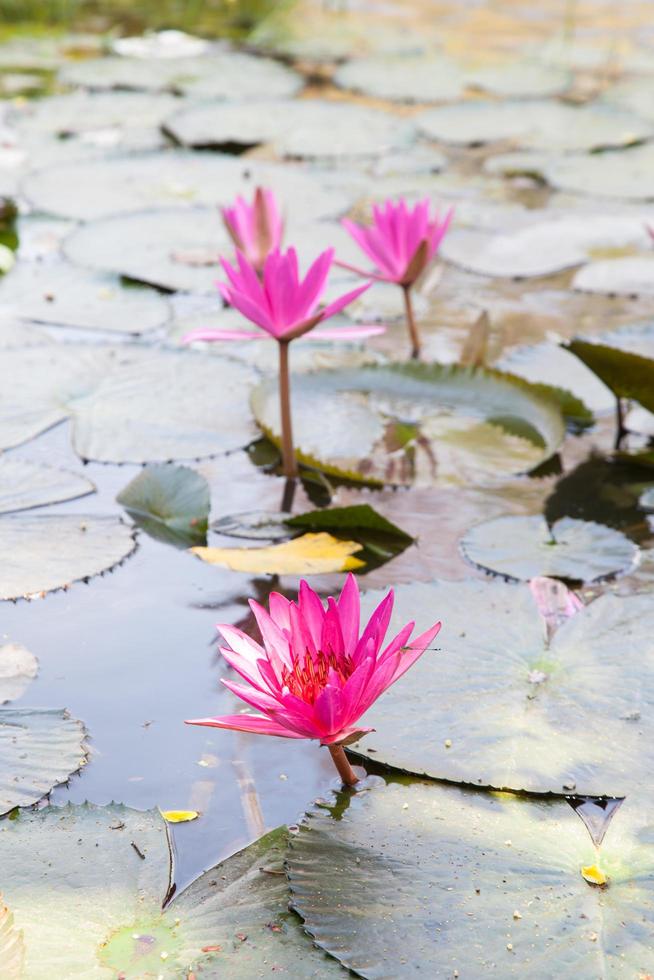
column 400, row 242
column 284, row 306
column 555, row 602
column 317, row 673
column 256, row 229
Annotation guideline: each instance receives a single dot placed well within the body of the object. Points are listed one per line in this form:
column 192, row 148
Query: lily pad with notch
column 232, row 918
column 422, row 424
column 498, row 705
column 453, row 882
column 526, row 547
column 170, row 503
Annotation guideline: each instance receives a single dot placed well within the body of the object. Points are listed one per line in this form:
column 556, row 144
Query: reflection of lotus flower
column 256, row 229
column 400, row 242
column 316, row 674
column 284, row 307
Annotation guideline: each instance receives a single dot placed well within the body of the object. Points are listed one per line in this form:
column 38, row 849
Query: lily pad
column 497, row 705
column 24, row 485
column 380, row 539
column 544, row 247
column 627, row 375
column 230, row 920
column 310, row 554
column 47, row 552
column 628, row 174
column 39, row 748
column 306, row 128
column 457, row 883
column 416, row 423
column 538, row 125
column 526, row 547
column 18, row 668
column 539, row 363
column 222, row 75
column 632, row 95
column 59, row 293
column 628, row 276
column 171, row 503
column 180, row 179
column 16, row 333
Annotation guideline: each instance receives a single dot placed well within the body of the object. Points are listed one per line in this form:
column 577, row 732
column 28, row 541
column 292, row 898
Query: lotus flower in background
column 555, row 602
column 400, row 242
column 317, row 672
column 284, row 306
column 256, row 229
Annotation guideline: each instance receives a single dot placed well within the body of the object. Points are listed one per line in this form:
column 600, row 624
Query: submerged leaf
column 171, row 503
column 310, row 554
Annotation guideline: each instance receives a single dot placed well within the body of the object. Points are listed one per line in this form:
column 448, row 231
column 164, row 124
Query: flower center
column 308, row 678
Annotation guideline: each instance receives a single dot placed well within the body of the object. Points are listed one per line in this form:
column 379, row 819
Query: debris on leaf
column 179, row 816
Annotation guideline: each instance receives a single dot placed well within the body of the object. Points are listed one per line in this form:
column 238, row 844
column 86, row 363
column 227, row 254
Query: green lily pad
column 420, row 424
column 381, row 539
column 423, row 880
column 24, row 485
column 537, row 125
column 39, row 748
column 627, row 276
column 305, row 128
column 59, row 293
column 496, row 705
column 526, row 547
column 18, row 668
column 49, row 551
column 627, row 375
column 233, row 920
column 171, row 503
column 222, row 75
column 544, row 247
column 628, row 174
column 180, row 179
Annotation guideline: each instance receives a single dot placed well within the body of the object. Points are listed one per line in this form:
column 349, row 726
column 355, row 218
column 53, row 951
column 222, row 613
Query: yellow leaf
column 594, row 875
column 310, row 554
column 179, row 816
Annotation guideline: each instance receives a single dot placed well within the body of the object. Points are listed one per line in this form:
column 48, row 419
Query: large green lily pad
column 418, row 424
column 24, row 485
column 495, row 705
column 177, row 178
column 39, row 748
column 538, row 125
column 544, row 247
column 421, row 880
column 306, row 128
column 628, row 174
column 627, row 375
column 18, row 668
column 627, row 276
column 59, row 293
column 233, row 920
column 526, row 547
column 540, row 363
column 49, row 551
column 171, row 503
column 222, row 75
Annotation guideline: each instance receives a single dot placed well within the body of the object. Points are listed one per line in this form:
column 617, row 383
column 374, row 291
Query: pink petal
column 274, row 640
column 328, row 710
column 346, row 333
column 240, row 642
column 376, row 628
column 342, row 301
column 312, row 611
column 349, row 611
column 256, row 724
column 210, row 334
column 256, row 699
column 346, row 733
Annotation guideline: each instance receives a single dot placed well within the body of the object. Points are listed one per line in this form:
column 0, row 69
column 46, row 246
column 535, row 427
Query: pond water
column 114, row 163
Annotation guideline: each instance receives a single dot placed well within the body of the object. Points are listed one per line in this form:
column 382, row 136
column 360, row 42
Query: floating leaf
column 437, row 881
column 18, row 668
column 628, row 174
column 525, row 547
column 497, row 705
column 303, row 128
column 179, row 816
column 47, row 552
column 229, row 921
column 60, row 294
column 380, row 539
column 419, row 423
column 39, row 748
column 171, row 503
column 539, row 363
column 627, row 375
column 24, row 485
column 310, row 554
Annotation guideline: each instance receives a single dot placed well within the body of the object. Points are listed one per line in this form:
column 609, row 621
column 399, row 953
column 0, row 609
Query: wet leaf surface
column 39, row 748
column 525, row 547
column 24, row 485
column 495, row 705
column 171, row 503
column 622, row 276
column 472, row 884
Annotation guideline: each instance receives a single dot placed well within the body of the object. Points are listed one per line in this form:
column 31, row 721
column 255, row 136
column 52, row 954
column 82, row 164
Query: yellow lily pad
column 310, row 554
column 593, row 875
column 179, row 816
